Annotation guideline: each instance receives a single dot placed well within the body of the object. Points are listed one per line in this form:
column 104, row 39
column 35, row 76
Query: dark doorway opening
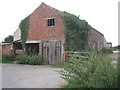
column 17, row 48
column 32, row 48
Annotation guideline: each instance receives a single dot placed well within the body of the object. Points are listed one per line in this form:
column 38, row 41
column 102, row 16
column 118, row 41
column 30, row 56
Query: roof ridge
column 49, row 6
column 98, row 31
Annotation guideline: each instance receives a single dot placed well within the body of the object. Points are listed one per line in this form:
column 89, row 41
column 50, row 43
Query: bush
column 25, row 59
column 6, row 57
column 35, row 60
column 94, row 72
column 22, row 59
column 12, row 57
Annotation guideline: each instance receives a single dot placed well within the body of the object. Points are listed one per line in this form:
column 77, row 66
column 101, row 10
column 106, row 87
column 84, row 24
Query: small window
column 51, row 22
column 3, row 46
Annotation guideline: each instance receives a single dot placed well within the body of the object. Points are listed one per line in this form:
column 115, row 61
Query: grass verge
column 6, row 61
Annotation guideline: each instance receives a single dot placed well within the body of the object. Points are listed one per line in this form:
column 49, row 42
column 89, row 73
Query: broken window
column 51, row 22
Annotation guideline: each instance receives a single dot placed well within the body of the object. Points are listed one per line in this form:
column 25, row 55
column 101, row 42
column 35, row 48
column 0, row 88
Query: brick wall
column 7, row 50
column 38, row 28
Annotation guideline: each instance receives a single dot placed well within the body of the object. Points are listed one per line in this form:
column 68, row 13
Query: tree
column 8, row 39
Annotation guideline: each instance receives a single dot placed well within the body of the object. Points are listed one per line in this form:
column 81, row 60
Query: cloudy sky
column 100, row 14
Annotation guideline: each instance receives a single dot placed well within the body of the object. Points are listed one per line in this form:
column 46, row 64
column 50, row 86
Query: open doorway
column 32, row 48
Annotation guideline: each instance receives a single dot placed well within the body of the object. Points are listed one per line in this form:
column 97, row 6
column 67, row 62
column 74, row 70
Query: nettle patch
column 24, row 25
column 76, row 32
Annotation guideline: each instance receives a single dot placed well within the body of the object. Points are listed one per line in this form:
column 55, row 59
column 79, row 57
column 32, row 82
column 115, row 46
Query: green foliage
column 6, row 61
column 6, row 57
column 25, row 59
column 35, row 60
column 76, row 32
column 106, row 50
column 59, row 64
column 94, row 72
column 24, row 25
column 8, row 39
column 22, row 59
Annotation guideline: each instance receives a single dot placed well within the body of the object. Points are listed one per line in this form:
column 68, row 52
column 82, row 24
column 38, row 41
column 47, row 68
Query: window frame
column 48, row 25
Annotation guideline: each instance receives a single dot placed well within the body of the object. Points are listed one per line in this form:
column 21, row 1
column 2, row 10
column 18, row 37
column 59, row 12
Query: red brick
column 7, row 50
column 38, row 29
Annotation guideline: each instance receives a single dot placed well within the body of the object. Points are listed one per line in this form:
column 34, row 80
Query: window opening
column 51, row 22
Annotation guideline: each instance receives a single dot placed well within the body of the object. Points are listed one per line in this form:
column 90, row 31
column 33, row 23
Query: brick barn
column 46, row 35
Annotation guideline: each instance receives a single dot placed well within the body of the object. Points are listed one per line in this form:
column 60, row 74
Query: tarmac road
column 30, row 76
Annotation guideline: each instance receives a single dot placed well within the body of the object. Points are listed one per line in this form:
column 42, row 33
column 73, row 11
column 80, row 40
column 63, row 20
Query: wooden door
column 51, row 51
column 57, row 51
column 46, row 52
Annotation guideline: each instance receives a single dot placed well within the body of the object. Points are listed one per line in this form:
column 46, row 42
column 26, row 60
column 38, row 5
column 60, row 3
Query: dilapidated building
column 46, row 35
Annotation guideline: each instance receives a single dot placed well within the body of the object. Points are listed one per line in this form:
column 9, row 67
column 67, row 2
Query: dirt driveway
column 30, row 76
column 114, row 57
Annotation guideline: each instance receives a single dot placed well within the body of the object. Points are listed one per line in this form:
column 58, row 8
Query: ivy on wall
column 24, row 26
column 76, row 32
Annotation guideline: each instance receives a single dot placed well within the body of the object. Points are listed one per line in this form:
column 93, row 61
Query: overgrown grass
column 59, row 64
column 106, row 51
column 96, row 71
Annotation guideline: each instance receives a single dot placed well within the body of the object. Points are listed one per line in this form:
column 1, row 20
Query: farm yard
column 30, row 76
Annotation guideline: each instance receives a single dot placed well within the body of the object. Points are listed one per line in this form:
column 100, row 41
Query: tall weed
column 96, row 71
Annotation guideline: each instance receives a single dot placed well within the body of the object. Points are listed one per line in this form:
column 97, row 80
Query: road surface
column 30, row 76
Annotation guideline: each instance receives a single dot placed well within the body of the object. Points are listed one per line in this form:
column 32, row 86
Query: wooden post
column 62, row 50
column 50, row 53
column 40, row 49
column 53, row 51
